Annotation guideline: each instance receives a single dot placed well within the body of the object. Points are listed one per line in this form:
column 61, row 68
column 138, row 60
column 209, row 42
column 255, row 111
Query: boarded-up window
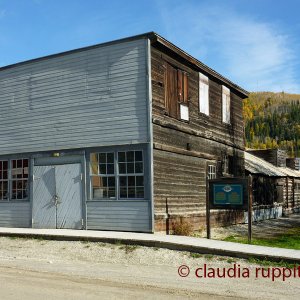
column 203, row 94
column 225, row 104
column 184, row 112
column 228, row 165
column 176, row 93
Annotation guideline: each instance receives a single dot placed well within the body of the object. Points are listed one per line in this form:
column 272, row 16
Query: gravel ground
column 140, row 271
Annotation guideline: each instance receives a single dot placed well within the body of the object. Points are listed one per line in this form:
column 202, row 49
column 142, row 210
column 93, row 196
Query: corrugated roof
column 256, row 165
column 290, row 172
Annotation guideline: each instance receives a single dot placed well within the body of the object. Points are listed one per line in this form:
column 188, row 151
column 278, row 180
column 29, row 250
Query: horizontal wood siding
column 210, row 126
column 118, row 215
column 182, row 150
column 94, row 97
column 179, row 183
column 14, row 214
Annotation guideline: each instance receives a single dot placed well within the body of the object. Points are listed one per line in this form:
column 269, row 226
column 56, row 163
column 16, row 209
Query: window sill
column 117, row 200
column 203, row 115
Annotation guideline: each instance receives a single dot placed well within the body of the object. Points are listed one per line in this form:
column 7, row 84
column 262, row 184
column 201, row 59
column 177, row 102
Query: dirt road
column 28, row 285
column 38, row 269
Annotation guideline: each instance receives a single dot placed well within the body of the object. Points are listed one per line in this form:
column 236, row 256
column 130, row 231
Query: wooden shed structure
column 116, row 136
column 273, row 186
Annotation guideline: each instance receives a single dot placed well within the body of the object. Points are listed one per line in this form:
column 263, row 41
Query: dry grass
column 182, row 227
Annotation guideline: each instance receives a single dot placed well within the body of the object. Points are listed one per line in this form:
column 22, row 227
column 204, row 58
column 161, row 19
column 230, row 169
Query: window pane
column 102, row 169
column 25, row 190
column 131, row 181
column 104, row 179
column 123, row 181
column 3, row 190
column 138, row 155
column 110, row 157
column 19, row 163
column 110, row 169
column 111, row 181
column 102, row 158
column 139, row 167
column 131, row 192
column 103, row 187
column 130, row 156
column 122, row 168
column 123, row 192
column 111, row 192
column 121, row 157
column 94, row 168
column 139, row 180
column 130, row 167
column 140, row 192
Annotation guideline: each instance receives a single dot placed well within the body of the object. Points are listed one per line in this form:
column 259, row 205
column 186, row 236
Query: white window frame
column 117, row 174
column 211, row 171
column 100, row 175
column 11, row 173
column 203, row 94
column 225, row 104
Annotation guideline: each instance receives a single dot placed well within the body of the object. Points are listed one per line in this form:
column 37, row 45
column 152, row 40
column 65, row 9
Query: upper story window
column 225, row 104
column 203, row 94
column 14, row 179
column 176, row 93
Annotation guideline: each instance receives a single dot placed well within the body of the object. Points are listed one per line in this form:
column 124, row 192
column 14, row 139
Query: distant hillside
column 272, row 120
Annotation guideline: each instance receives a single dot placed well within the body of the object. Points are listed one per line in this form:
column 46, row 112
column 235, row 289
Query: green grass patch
column 128, row 248
column 195, row 255
column 268, row 263
column 290, row 239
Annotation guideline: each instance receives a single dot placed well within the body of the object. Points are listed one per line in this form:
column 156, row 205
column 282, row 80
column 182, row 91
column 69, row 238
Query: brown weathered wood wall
column 182, row 150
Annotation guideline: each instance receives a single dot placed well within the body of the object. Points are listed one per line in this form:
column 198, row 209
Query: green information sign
column 228, row 193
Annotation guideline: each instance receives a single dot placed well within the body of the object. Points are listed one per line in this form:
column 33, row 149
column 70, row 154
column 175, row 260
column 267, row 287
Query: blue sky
column 254, row 43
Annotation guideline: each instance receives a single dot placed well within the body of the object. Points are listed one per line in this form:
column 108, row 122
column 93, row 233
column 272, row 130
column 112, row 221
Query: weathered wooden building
column 275, row 189
column 116, row 136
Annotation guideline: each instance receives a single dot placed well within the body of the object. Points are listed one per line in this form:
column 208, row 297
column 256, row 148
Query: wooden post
column 207, row 211
column 287, row 192
column 168, row 219
column 293, row 189
column 249, row 209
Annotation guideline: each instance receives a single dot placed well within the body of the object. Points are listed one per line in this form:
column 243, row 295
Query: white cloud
column 252, row 53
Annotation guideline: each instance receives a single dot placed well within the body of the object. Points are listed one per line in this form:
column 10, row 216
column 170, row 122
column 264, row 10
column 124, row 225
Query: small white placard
column 184, row 112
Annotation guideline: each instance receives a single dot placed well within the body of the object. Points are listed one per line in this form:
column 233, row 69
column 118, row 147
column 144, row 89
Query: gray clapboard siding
column 118, row 215
column 94, row 97
column 14, row 214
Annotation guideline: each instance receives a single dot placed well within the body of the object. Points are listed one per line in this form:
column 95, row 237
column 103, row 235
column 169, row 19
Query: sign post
column 207, row 210
column 250, row 210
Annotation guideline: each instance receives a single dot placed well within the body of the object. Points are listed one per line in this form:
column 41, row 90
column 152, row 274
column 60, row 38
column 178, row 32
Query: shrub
column 182, row 227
